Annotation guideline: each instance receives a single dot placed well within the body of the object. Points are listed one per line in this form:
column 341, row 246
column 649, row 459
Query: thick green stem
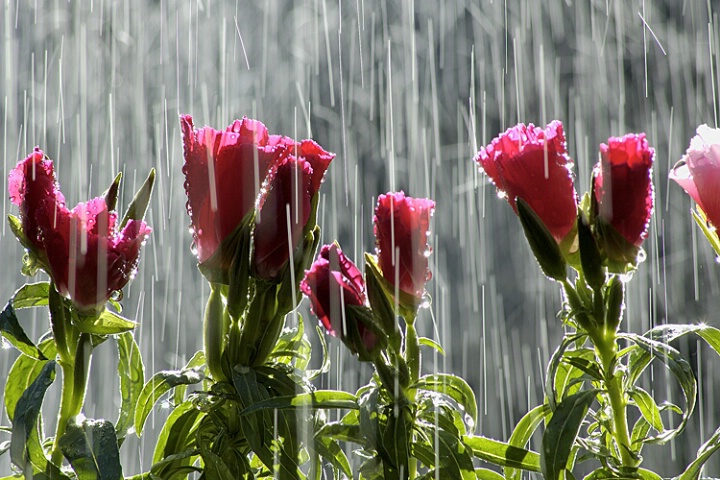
column 74, row 385
column 66, row 409
column 607, row 350
column 412, row 352
column 262, row 310
column 213, row 332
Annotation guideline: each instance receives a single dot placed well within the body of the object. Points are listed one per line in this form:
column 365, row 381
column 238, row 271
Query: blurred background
column 405, row 92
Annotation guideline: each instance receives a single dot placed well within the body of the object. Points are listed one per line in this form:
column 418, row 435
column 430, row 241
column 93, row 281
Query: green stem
column 607, row 350
column 213, row 332
column 66, row 409
column 74, row 385
column 412, row 352
column 262, row 310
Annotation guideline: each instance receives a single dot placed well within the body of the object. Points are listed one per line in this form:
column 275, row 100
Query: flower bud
column 542, row 243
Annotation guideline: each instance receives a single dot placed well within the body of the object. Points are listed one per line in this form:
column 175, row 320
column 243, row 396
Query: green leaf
column 485, row 474
column 551, row 388
column 710, row 234
column 559, row 436
column 23, row 373
column 11, row 329
column 107, row 323
column 214, row 466
column 314, row 400
column 137, row 208
column 429, row 342
column 679, row 367
column 454, row 387
column 692, row 472
column 503, row 454
column 342, row 432
column 542, row 243
column 250, row 393
column 455, row 457
column 156, row 387
column 31, row 295
column 331, row 451
column 647, row 406
column 26, row 414
column 397, row 437
column 132, row 378
column 176, row 444
column 197, row 362
column 523, row 432
column 92, row 449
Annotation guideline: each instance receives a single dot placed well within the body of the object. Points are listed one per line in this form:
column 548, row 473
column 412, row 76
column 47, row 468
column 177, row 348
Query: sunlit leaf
column 429, row 342
column 132, row 378
column 196, row 362
column 693, row 471
column 31, row 295
column 314, row 400
column 107, row 323
column 23, row 373
column 156, row 387
column 562, row 429
column 175, row 448
column 647, row 406
column 331, row 451
column 522, row 433
column 503, row 454
column 26, row 413
column 454, row 387
column 485, row 474
column 11, row 329
column 555, row 361
column 679, row 367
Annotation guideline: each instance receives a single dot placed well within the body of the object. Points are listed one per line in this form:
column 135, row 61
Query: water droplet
column 425, row 301
column 165, row 405
column 428, row 251
column 4, row 344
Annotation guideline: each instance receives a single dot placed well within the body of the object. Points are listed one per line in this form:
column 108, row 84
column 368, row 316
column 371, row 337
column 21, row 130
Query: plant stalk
column 613, row 383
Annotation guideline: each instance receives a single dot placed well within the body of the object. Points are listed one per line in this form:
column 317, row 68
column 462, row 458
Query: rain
column 405, row 93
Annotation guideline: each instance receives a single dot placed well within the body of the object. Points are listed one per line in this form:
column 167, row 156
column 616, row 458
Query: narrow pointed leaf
column 137, row 208
column 315, row 400
column 14, row 333
column 156, row 387
column 503, row 454
column 26, row 414
column 132, row 379
column 561, row 431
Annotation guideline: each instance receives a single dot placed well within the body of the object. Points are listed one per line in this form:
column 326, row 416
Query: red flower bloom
column 86, row 257
column 294, row 183
column 533, row 164
column 623, row 186
column 332, row 284
column 698, row 172
column 401, row 228
column 224, row 172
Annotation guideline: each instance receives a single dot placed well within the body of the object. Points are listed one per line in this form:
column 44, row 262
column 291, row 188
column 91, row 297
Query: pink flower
column 87, row 258
column 224, row 172
column 401, row 228
column 333, row 284
column 698, row 172
column 623, row 186
column 531, row 163
column 292, row 186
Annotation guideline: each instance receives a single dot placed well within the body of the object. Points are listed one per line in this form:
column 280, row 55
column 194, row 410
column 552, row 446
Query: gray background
column 404, row 92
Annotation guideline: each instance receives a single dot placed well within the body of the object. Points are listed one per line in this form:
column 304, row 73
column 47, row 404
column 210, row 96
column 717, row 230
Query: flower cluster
column 530, row 166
